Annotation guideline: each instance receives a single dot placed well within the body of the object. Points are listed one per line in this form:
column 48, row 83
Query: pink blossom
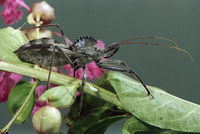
column 11, row 13
column 2, row 2
column 7, row 81
column 92, row 71
column 39, row 104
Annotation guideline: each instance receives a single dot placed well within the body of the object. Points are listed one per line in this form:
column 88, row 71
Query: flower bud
column 31, row 34
column 47, row 120
column 44, row 10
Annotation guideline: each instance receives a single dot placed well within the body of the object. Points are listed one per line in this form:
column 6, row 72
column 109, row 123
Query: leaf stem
column 7, row 127
column 60, row 79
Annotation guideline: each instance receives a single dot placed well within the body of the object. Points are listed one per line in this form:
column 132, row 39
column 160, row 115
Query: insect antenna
column 128, row 42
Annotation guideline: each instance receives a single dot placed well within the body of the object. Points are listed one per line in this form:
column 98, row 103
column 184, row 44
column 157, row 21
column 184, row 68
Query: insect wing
column 35, row 45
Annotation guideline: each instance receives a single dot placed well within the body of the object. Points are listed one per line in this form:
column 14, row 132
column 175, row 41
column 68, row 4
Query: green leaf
column 105, row 84
column 164, row 111
column 81, row 124
column 101, row 126
column 133, row 125
column 11, row 40
column 16, row 99
column 60, row 96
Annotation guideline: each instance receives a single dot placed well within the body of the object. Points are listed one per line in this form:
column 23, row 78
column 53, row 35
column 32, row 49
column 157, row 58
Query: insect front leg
column 112, row 66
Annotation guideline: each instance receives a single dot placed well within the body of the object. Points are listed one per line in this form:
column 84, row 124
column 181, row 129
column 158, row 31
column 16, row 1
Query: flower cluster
column 11, row 13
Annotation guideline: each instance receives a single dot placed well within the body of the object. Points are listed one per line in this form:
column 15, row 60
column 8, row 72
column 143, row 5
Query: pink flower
column 92, row 71
column 7, row 81
column 2, row 2
column 11, row 13
column 39, row 104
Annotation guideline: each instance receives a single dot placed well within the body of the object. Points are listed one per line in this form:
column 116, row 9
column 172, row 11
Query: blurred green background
column 118, row 20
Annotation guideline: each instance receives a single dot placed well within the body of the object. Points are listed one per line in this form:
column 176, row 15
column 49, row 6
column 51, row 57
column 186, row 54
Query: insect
column 49, row 52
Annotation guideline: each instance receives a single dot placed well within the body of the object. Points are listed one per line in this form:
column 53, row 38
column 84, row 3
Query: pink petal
column 7, row 81
column 11, row 13
column 21, row 3
column 2, row 2
column 38, row 104
column 100, row 44
column 93, row 71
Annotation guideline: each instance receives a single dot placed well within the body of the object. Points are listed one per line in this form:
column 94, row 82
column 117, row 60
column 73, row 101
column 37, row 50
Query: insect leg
column 50, row 68
column 76, row 68
column 65, row 55
column 112, row 65
column 82, row 89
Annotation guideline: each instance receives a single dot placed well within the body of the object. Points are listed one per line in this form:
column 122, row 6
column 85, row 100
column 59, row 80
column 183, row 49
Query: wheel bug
column 49, row 52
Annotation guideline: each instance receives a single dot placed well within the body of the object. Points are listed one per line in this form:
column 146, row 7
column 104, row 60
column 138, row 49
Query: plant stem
column 7, row 127
column 38, row 23
column 60, row 79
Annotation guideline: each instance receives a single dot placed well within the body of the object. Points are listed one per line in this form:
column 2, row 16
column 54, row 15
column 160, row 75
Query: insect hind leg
column 52, row 57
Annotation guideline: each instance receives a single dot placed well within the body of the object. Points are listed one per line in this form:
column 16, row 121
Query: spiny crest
column 89, row 39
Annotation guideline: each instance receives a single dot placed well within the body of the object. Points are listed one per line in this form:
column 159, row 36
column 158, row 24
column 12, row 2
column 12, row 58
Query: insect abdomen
column 43, row 59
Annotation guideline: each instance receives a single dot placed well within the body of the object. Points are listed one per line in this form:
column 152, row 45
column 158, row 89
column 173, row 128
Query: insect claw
column 151, row 95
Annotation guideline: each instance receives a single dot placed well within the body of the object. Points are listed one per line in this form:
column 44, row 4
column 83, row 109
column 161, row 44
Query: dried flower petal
column 31, row 34
column 44, row 10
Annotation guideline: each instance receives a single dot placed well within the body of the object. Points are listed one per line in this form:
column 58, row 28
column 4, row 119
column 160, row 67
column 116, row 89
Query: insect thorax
column 88, row 48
